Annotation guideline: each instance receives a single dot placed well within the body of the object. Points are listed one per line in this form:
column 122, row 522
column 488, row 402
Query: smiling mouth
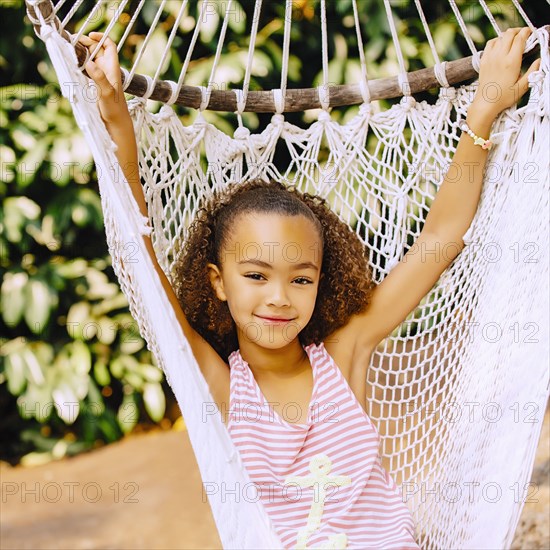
column 274, row 319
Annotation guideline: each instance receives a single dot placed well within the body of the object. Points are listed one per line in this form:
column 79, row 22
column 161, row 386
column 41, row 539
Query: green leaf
column 149, row 63
column 106, row 331
column 118, row 301
column 33, row 121
column 117, row 368
column 17, row 212
column 99, row 285
column 155, row 403
column 151, row 374
column 135, row 380
column 43, row 352
column 109, row 426
column 31, row 162
column 444, row 36
column 35, row 370
column 95, row 406
column 210, row 23
column 81, row 358
column 13, row 297
column 7, row 162
column 39, row 300
column 36, row 403
column 77, row 318
column 15, row 373
column 237, row 19
column 101, row 373
column 72, row 269
column 128, row 413
column 67, row 404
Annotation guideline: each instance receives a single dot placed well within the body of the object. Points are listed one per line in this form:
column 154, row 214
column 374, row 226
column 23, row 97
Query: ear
column 216, row 281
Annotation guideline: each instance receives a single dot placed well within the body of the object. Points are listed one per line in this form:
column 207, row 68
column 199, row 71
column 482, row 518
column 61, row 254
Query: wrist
column 480, row 119
column 119, row 120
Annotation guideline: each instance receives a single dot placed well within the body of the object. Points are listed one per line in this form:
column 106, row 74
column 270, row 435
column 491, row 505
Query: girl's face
column 269, row 276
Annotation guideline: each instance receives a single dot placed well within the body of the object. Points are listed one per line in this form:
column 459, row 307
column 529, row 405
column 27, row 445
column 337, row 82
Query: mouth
column 274, row 319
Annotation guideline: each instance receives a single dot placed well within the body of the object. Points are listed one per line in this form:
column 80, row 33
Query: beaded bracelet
column 485, row 143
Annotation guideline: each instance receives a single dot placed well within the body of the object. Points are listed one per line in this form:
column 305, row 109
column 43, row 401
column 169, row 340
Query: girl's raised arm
column 452, row 211
column 105, row 71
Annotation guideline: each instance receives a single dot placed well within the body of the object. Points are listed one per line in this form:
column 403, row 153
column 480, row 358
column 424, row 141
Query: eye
column 254, row 276
column 304, row 281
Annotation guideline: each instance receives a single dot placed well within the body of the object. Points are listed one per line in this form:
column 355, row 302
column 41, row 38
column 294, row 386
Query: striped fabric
column 322, row 483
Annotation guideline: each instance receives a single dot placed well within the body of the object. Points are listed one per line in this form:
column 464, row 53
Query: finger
column 110, row 47
column 88, row 43
column 491, row 43
column 506, row 39
column 100, row 79
column 520, row 40
column 86, row 40
column 523, row 82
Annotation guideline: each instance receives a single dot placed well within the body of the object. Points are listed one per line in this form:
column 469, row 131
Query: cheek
column 309, row 300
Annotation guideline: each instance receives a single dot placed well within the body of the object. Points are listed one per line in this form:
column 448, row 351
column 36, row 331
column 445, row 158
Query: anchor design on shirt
column 319, row 466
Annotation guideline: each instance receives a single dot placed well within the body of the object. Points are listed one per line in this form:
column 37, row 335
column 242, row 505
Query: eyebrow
column 302, row 265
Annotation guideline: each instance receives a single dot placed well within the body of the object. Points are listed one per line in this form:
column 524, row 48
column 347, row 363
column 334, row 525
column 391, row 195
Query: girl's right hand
column 105, row 72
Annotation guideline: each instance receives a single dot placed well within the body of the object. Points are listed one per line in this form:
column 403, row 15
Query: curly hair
column 345, row 288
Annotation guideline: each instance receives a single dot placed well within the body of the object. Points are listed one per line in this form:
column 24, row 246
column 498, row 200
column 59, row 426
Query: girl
column 276, row 299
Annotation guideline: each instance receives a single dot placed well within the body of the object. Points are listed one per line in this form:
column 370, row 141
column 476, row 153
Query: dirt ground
column 145, row 492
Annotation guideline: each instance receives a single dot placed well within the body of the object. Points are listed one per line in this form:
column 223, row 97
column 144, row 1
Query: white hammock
column 458, row 392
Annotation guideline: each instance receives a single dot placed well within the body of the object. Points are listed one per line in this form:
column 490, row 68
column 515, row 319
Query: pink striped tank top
column 321, row 483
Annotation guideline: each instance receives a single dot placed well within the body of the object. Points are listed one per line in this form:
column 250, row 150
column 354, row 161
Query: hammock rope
column 458, row 391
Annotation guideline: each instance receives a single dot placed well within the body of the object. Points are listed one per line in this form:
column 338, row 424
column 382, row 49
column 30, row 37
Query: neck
column 285, row 362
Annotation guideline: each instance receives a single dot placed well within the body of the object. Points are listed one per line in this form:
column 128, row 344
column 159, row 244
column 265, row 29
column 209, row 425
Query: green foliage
column 75, row 371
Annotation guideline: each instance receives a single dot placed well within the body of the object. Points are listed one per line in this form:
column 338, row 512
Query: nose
column 277, row 295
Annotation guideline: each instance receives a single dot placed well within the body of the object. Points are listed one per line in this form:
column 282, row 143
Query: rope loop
column 42, row 19
column 150, row 87
column 241, row 100
column 43, row 26
column 279, row 100
column 33, row 19
column 126, row 80
column 365, row 92
column 175, row 92
column 324, row 96
column 404, row 85
column 475, row 61
column 440, row 72
column 205, row 97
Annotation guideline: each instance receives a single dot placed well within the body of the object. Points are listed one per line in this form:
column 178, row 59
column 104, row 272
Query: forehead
column 273, row 238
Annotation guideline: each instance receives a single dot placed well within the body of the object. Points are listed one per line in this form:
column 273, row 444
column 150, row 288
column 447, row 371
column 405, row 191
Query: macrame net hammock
column 458, row 391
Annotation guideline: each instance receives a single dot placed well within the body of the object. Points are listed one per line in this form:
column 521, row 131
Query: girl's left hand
column 501, row 83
